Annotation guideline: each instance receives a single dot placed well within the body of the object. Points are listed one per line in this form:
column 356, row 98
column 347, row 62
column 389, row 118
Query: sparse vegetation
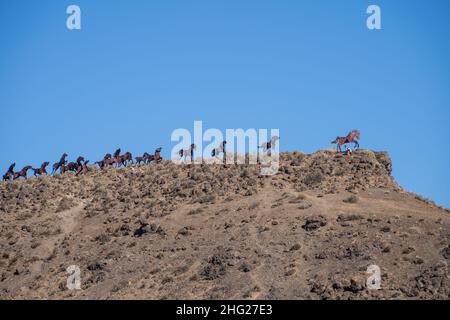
column 352, row 199
column 313, row 178
column 219, row 232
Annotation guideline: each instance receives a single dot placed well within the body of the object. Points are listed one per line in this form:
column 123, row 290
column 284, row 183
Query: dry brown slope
column 166, row 231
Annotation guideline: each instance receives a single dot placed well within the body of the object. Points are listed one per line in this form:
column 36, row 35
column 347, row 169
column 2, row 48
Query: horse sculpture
column 74, row 166
column 83, row 168
column 107, row 160
column 116, row 158
column 350, row 138
column 59, row 165
column 10, row 173
column 41, row 170
column 157, row 156
column 22, row 173
column 145, row 157
column 125, row 158
column 188, row 152
column 81, row 165
column 120, row 160
column 64, row 169
column 216, row 151
column 116, row 153
column 128, row 157
column 101, row 163
column 269, row 144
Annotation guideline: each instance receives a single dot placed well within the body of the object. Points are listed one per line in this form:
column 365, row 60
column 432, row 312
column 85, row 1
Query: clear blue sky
column 140, row 69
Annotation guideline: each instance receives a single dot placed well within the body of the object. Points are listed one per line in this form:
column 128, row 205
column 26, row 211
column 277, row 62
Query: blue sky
column 140, row 69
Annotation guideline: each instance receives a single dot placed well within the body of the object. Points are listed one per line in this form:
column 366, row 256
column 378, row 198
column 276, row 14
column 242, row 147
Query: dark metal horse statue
column 144, row 159
column 75, row 166
column 215, row 152
column 157, row 156
column 41, row 170
column 10, row 173
column 188, row 152
column 107, row 160
column 83, row 168
column 22, row 173
column 126, row 158
column 270, row 144
column 60, row 165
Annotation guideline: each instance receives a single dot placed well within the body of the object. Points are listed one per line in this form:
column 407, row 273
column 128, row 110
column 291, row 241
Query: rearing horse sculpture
column 215, row 152
column 83, row 168
column 116, row 153
column 270, row 144
column 59, row 165
column 75, row 166
column 188, row 152
column 157, row 156
column 10, row 173
column 350, row 138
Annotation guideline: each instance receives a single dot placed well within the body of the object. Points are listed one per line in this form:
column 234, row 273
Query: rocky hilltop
column 167, row 231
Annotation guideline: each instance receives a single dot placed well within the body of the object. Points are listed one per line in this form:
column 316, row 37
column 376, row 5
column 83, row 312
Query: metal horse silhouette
column 350, row 138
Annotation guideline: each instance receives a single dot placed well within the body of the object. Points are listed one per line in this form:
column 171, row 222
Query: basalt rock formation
column 168, row 231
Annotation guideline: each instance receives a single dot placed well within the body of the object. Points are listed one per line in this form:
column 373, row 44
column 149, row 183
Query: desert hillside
column 167, row 231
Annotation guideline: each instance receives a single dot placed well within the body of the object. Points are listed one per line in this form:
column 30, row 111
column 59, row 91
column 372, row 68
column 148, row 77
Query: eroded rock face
column 385, row 160
column 219, row 232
